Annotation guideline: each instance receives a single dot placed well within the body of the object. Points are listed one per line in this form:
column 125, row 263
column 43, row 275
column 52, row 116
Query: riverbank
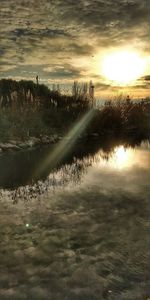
column 26, row 124
column 32, row 142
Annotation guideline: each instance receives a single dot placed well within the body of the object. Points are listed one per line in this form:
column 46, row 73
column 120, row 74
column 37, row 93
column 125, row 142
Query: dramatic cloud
column 58, row 38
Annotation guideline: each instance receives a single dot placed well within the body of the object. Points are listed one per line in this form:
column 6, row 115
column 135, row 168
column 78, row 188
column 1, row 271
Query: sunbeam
column 66, row 144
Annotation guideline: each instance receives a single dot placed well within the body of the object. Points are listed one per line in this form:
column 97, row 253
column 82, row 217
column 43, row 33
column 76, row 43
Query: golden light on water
column 120, row 158
column 123, row 67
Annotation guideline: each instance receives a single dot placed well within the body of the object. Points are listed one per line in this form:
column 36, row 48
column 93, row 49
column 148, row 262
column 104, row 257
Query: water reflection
column 22, row 168
column 72, row 174
column 80, row 233
column 125, row 157
column 121, row 157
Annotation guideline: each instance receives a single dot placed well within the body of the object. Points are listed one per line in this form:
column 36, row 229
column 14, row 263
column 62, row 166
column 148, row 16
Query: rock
column 14, row 142
column 2, row 145
column 35, row 141
column 45, row 140
column 52, row 140
column 15, row 147
column 31, row 142
column 59, row 138
column 24, row 145
column 56, row 137
column 9, row 146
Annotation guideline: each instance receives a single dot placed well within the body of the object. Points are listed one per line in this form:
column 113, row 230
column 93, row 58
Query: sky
column 66, row 40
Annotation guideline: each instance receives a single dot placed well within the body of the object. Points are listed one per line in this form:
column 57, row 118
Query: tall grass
column 122, row 118
column 30, row 110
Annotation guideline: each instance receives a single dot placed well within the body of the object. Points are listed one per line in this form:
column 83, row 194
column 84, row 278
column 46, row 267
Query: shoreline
column 32, row 142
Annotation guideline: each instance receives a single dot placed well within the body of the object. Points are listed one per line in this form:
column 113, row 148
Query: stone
column 9, row 146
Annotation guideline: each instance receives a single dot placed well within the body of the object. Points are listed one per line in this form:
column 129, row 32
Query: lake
column 75, row 222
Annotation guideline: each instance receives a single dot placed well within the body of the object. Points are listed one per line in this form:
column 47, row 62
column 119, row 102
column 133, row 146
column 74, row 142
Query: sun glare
column 123, row 67
column 122, row 158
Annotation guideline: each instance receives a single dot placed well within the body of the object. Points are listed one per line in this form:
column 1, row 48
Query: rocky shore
column 13, row 145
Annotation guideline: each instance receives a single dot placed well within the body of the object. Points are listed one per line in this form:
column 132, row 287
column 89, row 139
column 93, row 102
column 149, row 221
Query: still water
column 77, row 228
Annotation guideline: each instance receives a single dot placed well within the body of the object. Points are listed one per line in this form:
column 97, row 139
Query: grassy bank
column 28, row 110
column 122, row 120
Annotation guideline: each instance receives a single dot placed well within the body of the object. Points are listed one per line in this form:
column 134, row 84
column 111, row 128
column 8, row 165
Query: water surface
column 80, row 228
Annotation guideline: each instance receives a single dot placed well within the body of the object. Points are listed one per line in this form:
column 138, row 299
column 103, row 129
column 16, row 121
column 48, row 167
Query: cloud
column 146, row 78
column 77, row 18
column 43, row 34
column 66, row 71
column 103, row 86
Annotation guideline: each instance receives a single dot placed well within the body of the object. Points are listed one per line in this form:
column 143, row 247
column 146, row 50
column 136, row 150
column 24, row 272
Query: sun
column 123, row 67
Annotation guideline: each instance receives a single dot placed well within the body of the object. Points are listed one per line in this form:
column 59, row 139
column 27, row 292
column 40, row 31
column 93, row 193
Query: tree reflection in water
column 80, row 233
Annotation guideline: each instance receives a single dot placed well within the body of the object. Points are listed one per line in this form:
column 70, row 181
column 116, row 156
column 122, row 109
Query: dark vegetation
column 28, row 109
